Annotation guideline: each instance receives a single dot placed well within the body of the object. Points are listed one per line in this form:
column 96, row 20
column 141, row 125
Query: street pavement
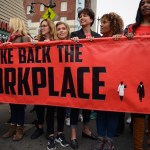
column 123, row 142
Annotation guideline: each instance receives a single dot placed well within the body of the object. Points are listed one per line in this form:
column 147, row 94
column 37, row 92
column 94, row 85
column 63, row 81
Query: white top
column 121, row 89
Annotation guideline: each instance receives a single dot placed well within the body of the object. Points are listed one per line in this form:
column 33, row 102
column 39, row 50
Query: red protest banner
column 83, row 75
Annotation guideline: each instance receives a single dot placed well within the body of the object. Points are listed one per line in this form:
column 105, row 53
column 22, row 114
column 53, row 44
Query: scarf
column 13, row 36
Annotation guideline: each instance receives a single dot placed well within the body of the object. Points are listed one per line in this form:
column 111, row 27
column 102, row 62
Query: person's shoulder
column 76, row 32
column 26, row 38
column 73, row 33
column 129, row 28
column 95, row 34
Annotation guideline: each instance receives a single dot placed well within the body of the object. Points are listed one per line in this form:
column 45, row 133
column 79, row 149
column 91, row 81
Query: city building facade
column 10, row 9
column 65, row 10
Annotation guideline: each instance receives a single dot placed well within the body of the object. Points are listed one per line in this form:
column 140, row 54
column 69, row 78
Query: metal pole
column 98, row 19
column 50, row 5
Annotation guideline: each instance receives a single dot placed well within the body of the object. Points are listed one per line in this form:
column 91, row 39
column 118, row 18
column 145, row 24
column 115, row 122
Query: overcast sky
column 125, row 8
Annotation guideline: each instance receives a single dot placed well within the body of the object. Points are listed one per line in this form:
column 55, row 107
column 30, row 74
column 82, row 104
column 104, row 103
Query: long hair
column 52, row 29
column 67, row 27
column 139, row 18
column 116, row 22
column 18, row 26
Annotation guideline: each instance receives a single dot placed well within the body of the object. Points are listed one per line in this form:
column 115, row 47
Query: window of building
column 63, row 19
column 28, row 9
column 63, row 6
column 41, row 7
column 79, row 2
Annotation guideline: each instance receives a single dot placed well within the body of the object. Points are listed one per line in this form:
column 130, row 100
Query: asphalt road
column 124, row 142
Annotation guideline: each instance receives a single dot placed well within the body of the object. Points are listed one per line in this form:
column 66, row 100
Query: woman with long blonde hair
column 18, row 34
column 62, row 32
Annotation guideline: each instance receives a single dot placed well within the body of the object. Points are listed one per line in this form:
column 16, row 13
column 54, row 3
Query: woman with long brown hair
column 47, row 33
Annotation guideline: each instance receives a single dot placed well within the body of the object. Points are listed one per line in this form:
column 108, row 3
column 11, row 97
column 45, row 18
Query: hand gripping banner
column 100, row 75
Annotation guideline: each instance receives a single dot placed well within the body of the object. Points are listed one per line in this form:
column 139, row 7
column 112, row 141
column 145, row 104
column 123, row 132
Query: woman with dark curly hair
column 106, row 121
column 111, row 24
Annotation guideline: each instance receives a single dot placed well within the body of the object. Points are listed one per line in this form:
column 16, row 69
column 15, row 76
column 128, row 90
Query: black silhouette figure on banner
column 49, row 14
column 141, row 91
column 121, row 89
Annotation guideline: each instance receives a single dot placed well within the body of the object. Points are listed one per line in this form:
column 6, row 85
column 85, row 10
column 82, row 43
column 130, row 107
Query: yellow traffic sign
column 49, row 13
